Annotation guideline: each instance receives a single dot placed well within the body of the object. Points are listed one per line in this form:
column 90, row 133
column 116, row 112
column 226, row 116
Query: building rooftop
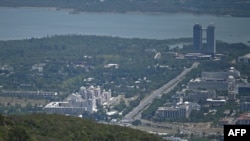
column 55, row 104
column 244, row 116
column 246, row 56
column 216, row 100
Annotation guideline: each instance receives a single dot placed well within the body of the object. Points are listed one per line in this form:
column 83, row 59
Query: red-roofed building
column 244, row 119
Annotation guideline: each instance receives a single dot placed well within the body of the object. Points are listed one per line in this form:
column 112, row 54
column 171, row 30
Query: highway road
column 136, row 112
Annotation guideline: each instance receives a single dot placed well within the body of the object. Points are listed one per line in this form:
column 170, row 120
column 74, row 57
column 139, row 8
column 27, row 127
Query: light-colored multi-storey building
column 87, row 99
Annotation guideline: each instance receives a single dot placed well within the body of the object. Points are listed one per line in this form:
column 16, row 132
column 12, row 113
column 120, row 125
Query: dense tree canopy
column 221, row 7
column 37, row 127
column 68, row 62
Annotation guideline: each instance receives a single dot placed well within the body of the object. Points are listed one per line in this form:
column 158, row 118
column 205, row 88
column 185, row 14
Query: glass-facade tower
column 211, row 46
column 197, row 38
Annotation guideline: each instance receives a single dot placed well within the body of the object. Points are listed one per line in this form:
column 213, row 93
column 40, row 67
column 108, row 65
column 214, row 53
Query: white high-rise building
column 95, row 96
column 87, row 99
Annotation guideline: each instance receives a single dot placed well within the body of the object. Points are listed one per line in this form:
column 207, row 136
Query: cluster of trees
column 37, row 127
column 214, row 117
column 221, row 7
column 126, row 108
column 18, row 109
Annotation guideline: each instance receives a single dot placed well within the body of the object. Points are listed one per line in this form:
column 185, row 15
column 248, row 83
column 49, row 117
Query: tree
column 136, row 122
column 1, row 120
column 19, row 133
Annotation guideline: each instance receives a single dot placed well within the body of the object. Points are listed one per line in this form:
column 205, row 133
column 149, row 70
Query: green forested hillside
column 68, row 62
column 43, row 127
column 221, row 7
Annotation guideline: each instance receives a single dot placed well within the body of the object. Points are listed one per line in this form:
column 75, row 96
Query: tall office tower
column 197, row 38
column 211, row 46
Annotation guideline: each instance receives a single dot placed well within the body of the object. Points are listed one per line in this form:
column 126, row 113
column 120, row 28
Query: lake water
column 25, row 23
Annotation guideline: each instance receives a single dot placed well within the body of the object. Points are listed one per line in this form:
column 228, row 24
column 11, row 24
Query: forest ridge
column 41, row 127
column 217, row 7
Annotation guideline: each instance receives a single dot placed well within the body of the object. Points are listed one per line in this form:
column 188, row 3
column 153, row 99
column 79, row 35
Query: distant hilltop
column 218, row 7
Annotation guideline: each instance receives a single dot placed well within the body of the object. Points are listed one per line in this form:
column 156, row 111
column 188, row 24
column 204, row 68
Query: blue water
column 25, row 23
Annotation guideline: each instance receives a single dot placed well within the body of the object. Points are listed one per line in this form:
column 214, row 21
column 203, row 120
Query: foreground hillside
column 43, row 127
